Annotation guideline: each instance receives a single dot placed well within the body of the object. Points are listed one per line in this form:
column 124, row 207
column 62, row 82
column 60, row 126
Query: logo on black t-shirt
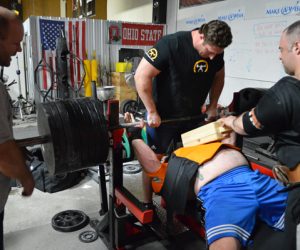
column 200, row 66
column 152, row 53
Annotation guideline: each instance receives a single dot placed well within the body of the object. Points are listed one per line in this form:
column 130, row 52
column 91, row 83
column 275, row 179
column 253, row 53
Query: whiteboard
column 254, row 52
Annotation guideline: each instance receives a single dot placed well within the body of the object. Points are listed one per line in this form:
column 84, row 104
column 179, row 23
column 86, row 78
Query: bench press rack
column 117, row 228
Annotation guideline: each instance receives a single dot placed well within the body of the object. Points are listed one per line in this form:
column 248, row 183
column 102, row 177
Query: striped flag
column 75, row 31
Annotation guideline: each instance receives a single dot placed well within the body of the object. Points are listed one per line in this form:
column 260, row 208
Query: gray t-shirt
column 6, row 133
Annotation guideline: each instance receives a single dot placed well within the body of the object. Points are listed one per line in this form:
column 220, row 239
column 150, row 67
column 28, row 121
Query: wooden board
column 204, row 134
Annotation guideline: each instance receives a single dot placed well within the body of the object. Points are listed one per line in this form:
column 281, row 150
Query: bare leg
column 149, row 162
column 226, row 243
column 147, row 188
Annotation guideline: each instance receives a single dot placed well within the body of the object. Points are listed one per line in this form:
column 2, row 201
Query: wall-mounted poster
column 190, row 3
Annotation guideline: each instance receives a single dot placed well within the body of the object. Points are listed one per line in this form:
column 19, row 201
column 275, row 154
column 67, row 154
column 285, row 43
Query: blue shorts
column 234, row 200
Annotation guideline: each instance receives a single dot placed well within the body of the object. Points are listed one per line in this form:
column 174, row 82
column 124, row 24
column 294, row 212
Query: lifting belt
column 182, row 167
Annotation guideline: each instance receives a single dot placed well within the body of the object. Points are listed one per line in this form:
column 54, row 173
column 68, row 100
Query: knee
column 225, row 243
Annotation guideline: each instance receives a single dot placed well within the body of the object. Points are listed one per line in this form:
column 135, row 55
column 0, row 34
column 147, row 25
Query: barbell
column 74, row 134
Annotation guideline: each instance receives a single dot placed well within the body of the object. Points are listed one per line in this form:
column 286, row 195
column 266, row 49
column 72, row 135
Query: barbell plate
column 76, row 130
column 80, row 121
column 88, row 236
column 46, row 124
column 96, row 131
column 103, row 128
column 102, row 141
column 83, row 149
column 93, row 131
column 61, row 152
column 99, row 134
column 88, row 136
column 69, row 220
column 78, row 134
column 72, row 157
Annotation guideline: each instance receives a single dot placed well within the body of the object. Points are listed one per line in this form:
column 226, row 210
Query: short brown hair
column 217, row 33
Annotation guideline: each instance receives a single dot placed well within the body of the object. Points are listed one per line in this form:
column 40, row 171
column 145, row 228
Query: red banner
column 141, row 34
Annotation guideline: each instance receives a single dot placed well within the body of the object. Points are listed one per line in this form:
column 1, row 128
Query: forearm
column 236, row 123
column 12, row 162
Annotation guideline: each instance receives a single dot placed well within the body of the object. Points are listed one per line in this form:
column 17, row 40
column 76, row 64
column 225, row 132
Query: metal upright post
column 101, row 172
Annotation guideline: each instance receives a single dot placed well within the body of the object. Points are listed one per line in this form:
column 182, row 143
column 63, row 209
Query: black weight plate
column 61, row 161
column 45, row 125
column 81, row 123
column 48, row 125
column 104, row 145
column 88, row 236
column 103, row 123
column 89, row 136
column 93, row 129
column 75, row 128
column 102, row 140
column 103, row 129
column 78, row 124
column 72, row 157
column 69, row 221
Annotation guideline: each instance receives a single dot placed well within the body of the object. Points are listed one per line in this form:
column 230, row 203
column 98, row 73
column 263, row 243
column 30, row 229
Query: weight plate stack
column 104, row 137
column 80, row 121
column 88, row 136
column 75, row 130
column 61, row 159
column 95, row 131
column 72, row 157
column 47, row 126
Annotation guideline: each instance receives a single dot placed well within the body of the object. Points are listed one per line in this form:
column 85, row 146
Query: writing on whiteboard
column 195, row 21
column 282, row 10
column 232, row 15
column 269, row 29
column 254, row 52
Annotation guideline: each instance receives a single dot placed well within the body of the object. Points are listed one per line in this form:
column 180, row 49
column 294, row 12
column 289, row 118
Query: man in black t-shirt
column 176, row 75
column 277, row 113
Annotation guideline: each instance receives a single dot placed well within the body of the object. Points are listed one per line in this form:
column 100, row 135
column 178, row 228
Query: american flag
column 74, row 31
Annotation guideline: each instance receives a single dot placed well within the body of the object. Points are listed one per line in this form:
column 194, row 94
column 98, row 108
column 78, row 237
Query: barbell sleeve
column 27, row 142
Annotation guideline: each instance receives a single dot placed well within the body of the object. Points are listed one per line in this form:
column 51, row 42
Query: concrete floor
column 27, row 223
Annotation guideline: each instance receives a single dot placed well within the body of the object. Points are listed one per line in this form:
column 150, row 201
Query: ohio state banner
column 134, row 34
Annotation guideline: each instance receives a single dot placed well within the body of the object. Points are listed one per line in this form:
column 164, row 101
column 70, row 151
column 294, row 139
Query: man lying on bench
column 232, row 194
